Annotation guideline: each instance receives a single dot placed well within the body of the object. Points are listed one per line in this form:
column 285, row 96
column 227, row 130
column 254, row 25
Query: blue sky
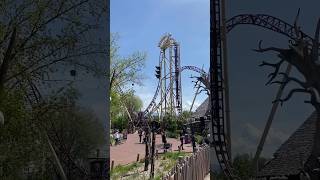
column 140, row 25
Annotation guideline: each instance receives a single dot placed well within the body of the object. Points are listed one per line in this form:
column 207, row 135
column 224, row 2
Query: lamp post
column 146, row 159
column 154, row 128
column 193, row 139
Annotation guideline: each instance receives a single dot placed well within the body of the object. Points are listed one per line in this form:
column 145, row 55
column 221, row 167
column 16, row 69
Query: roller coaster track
column 217, row 100
column 152, row 105
column 266, row 22
column 216, row 82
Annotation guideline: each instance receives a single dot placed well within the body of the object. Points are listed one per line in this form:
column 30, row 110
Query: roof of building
column 202, row 110
column 289, row 159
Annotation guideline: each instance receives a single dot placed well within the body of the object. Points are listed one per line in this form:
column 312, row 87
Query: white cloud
column 145, row 95
column 249, row 138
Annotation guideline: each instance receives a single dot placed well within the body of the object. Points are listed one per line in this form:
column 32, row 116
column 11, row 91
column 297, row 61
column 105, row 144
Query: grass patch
column 121, row 170
column 157, row 178
column 174, row 155
column 168, row 161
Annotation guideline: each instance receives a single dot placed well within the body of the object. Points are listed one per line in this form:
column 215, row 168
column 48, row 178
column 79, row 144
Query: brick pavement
column 126, row 152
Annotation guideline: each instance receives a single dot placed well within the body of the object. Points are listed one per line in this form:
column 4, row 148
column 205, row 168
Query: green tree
column 123, row 108
column 39, row 39
column 243, row 165
column 183, row 119
column 73, row 131
column 20, row 140
column 125, row 71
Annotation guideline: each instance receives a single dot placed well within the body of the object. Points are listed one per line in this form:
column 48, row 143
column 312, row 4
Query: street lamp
column 154, row 126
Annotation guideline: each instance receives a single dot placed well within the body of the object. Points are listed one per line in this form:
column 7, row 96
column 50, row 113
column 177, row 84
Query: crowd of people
column 144, row 137
column 118, row 137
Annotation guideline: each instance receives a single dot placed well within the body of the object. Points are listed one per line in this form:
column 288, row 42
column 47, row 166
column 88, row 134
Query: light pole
column 146, row 159
column 154, row 127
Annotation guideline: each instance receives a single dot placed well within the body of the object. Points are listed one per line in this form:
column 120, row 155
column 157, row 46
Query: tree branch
column 290, row 95
column 275, row 73
column 289, row 79
column 268, row 49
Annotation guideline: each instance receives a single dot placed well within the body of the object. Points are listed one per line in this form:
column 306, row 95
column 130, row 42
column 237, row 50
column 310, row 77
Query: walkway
column 127, row 152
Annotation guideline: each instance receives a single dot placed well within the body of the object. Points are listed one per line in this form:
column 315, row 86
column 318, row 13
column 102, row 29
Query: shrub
column 198, row 139
column 172, row 134
column 119, row 123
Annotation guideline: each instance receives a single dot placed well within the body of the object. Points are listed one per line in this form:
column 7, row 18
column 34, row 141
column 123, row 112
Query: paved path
column 127, row 152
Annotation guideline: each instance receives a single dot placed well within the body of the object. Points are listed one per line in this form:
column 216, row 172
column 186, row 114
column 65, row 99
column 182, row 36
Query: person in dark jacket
column 181, row 140
column 164, row 140
column 193, row 139
column 140, row 134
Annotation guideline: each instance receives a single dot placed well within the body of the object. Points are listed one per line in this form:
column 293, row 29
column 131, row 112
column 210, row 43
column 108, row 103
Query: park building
column 298, row 157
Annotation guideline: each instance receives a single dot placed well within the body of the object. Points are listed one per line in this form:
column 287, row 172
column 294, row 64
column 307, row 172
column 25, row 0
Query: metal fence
column 194, row 167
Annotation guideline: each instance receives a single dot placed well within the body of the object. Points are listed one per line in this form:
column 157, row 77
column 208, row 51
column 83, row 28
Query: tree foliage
column 39, row 39
column 19, row 138
column 123, row 107
column 243, row 167
column 73, row 130
column 125, row 71
column 39, row 42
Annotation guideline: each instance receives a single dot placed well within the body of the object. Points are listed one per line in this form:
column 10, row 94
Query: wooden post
column 138, row 157
column 112, row 164
column 157, row 155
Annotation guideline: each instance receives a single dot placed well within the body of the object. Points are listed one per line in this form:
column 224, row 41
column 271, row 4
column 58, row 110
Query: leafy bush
column 172, row 134
column 198, row 139
column 119, row 123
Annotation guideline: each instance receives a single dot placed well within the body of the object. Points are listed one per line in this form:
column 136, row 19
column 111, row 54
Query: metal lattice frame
column 216, row 80
column 153, row 105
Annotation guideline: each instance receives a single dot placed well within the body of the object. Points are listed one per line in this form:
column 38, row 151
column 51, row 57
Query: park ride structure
column 217, row 81
column 217, row 75
column 167, row 98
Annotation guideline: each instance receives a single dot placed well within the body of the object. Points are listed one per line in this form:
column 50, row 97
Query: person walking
column 140, row 134
column 181, row 140
column 193, row 139
column 164, row 140
column 117, row 137
column 125, row 134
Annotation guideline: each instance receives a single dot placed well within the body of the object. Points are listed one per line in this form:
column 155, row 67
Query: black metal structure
column 267, row 22
column 153, row 105
column 216, row 69
column 217, row 92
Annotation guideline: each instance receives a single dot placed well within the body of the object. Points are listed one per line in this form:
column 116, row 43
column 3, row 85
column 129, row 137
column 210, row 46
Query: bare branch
column 268, row 49
column 275, row 73
column 290, row 95
column 289, row 79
